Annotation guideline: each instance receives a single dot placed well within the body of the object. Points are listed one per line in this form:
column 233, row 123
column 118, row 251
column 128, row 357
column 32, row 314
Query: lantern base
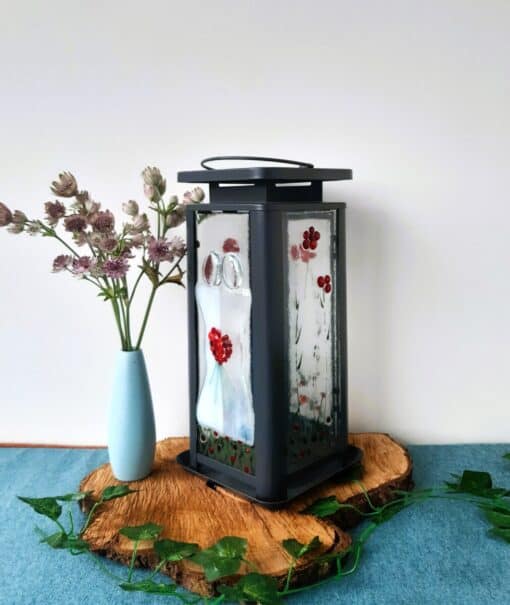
column 334, row 467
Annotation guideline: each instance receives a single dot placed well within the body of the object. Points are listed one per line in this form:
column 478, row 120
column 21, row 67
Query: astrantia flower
column 130, row 208
column 19, row 217
column 176, row 218
column 5, row 215
column 82, row 265
column 104, row 222
column 108, row 244
column 152, row 177
column 75, row 223
column 80, row 238
column 178, row 246
column 138, row 240
column 140, row 223
column 116, row 268
column 16, row 228
column 160, row 250
column 54, row 212
column 61, row 262
column 65, row 185
column 33, row 229
column 195, row 196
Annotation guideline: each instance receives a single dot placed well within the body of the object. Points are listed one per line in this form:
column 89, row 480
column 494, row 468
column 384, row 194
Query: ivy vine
column 225, row 557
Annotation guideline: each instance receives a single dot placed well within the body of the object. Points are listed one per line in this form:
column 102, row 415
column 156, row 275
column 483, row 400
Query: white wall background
column 414, row 96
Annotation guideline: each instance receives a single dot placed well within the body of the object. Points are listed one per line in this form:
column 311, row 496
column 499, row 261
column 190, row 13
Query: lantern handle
column 221, row 158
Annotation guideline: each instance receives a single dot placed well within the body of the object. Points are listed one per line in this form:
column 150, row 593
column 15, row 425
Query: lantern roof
column 299, row 172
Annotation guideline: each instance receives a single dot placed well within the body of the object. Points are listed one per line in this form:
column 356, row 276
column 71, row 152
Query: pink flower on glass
column 294, row 252
column 103, row 221
column 116, row 268
column 231, row 245
column 54, row 212
column 160, row 250
column 75, row 223
column 61, row 262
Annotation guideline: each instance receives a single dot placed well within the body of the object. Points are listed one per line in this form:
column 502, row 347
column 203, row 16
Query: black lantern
column 267, row 330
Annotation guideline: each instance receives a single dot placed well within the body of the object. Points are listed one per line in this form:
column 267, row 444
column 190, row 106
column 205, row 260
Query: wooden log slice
column 190, row 511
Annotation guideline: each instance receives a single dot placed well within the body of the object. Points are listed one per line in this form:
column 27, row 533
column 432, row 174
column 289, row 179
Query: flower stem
column 146, row 317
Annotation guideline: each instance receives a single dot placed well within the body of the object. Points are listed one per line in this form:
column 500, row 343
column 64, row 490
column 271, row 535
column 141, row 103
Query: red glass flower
column 220, row 345
column 311, row 238
column 324, row 282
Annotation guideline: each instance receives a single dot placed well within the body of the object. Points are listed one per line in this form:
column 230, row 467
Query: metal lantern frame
column 267, row 194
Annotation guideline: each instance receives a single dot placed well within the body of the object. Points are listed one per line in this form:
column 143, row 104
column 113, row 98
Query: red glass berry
column 306, row 244
column 220, row 345
column 246, row 469
column 316, row 235
column 327, row 288
column 313, row 244
column 311, row 230
column 327, row 278
column 306, row 235
column 320, row 281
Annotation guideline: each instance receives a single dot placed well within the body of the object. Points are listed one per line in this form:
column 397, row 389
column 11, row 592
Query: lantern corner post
column 269, row 344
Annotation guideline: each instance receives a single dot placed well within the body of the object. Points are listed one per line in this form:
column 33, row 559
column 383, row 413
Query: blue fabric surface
column 431, row 553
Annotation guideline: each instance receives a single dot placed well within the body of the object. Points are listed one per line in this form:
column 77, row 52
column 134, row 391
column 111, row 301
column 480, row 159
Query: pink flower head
column 294, row 252
column 231, row 245
column 160, row 250
column 75, row 223
column 103, row 221
column 178, row 246
column 82, row 265
column 5, row 215
column 54, row 212
column 116, row 268
column 108, row 244
column 61, row 262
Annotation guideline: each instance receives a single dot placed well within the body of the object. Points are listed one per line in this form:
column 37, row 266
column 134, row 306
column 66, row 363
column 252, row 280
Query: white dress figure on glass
column 225, row 402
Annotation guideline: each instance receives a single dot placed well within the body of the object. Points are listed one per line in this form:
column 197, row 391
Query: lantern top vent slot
column 264, row 180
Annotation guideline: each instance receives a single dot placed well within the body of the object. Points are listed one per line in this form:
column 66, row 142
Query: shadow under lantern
column 267, row 331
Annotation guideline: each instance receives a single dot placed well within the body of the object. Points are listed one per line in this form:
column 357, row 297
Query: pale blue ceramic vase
column 131, row 427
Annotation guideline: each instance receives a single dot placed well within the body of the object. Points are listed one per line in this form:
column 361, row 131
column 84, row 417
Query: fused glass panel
column 313, row 363
column 225, row 415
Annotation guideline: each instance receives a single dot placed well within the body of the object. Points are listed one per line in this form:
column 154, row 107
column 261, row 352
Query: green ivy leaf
column 148, row 531
column 170, row 550
column 478, row 483
column 259, row 588
column 148, row 586
column 324, row 507
column 223, row 558
column 298, row 550
column 76, row 497
column 501, row 532
column 56, row 540
column 49, row 507
column 498, row 515
column 116, row 491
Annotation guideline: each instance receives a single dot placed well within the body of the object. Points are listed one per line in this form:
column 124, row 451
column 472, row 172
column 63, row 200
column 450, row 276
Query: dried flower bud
column 65, row 186
column 61, row 262
column 16, row 228
column 178, row 246
column 75, row 223
column 141, row 223
column 108, row 244
column 19, row 218
column 195, row 196
column 153, row 177
column 33, row 229
column 138, row 240
column 176, row 217
column 80, row 238
column 151, row 193
column 5, row 215
column 54, row 212
column 130, row 208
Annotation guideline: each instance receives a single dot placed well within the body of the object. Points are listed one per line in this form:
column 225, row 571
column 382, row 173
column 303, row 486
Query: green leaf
column 497, row 515
column 478, row 483
column 170, row 550
column 298, row 550
column 148, row 531
column 253, row 587
column 116, row 491
column 324, row 507
column 76, row 497
column 62, row 540
column 506, row 456
column 148, row 586
column 151, row 273
column 56, row 540
column 223, row 558
column 385, row 514
column 501, row 532
column 49, row 507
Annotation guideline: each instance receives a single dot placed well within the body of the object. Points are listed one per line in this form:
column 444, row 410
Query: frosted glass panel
column 312, row 336
column 225, row 404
